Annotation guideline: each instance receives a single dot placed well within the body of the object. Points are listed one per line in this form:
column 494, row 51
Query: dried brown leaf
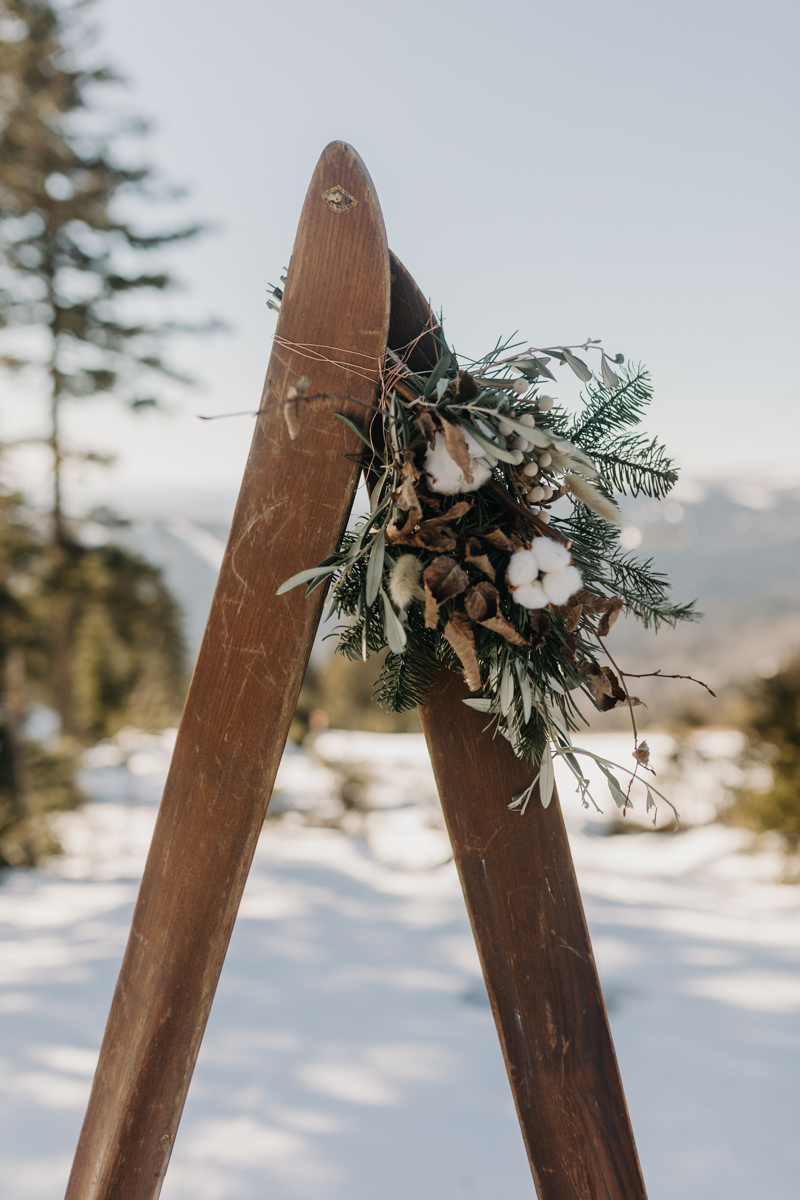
column 428, row 425
column 458, row 632
column 496, row 538
column 604, row 687
column 482, row 605
column 458, row 449
column 476, row 556
column 445, row 578
column 609, row 616
column 454, row 513
column 430, row 536
column 541, row 625
column 466, row 387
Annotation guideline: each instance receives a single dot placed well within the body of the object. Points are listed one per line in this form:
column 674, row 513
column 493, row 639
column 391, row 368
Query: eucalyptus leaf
column 319, row 573
column 578, row 365
column 490, row 447
column 521, row 667
column 610, row 378
column 438, row 372
column 506, row 690
column 352, row 425
column 375, row 568
column 617, row 794
column 392, row 626
column 547, row 778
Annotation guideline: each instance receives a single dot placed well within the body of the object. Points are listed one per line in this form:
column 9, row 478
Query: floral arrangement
column 492, row 544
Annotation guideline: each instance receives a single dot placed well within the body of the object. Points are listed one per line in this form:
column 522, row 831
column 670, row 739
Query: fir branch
column 608, row 410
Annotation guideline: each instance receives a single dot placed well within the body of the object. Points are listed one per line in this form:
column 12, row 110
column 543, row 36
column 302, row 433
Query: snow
column 350, row 1050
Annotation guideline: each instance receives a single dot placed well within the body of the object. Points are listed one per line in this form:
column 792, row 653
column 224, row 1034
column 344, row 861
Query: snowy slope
column 351, row 1051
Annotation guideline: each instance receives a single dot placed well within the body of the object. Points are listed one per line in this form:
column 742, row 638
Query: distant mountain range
column 734, row 547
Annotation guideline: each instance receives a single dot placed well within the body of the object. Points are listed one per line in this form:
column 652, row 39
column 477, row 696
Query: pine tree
column 70, row 262
column 72, row 282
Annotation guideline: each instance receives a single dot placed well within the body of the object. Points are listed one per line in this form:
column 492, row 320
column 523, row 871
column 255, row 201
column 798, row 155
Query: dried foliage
column 507, row 503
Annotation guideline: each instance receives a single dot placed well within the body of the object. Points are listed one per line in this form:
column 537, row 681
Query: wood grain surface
column 526, row 913
column 294, row 503
column 525, row 908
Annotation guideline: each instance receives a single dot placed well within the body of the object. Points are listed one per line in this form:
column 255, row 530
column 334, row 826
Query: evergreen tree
column 70, row 260
column 72, row 286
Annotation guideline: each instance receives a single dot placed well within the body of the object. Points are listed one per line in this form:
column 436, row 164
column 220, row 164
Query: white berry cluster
column 542, row 575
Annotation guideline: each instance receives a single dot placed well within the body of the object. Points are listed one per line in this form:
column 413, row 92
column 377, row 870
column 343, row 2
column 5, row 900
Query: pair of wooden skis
column 346, row 299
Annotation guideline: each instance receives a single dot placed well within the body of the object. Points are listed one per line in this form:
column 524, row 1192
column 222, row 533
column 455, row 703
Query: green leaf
column 318, row 573
column 480, row 704
column 392, row 626
column 375, row 568
column 617, row 794
column 610, row 378
column 506, row 690
column 521, row 667
column 438, row 372
column 490, row 447
column 352, row 425
column 547, row 778
column 578, row 365
column 543, row 438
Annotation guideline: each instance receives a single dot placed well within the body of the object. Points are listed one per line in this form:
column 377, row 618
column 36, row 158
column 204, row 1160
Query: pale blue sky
column 624, row 170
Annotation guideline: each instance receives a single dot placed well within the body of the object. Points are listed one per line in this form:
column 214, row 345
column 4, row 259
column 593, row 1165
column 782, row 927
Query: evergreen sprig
column 471, row 469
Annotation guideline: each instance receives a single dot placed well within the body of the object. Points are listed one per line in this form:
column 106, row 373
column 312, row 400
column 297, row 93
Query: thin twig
column 660, row 675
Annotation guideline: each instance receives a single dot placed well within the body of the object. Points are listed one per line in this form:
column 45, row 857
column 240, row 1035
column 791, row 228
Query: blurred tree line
column 88, row 631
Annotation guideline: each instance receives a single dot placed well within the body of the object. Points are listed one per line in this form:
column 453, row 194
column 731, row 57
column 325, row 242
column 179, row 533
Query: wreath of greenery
column 493, row 545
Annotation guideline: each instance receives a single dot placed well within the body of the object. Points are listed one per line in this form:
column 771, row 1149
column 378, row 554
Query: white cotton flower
column 558, row 586
column 445, row 475
column 549, row 554
column 523, row 567
column 531, row 595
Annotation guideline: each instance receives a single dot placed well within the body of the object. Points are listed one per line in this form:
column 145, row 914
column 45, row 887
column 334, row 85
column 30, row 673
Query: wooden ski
column 294, row 502
column 525, row 908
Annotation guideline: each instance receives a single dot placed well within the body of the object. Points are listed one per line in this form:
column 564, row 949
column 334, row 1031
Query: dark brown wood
column 526, row 914
column 294, row 502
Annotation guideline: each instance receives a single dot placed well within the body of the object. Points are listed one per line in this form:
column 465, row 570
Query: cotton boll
column 522, row 568
column 531, row 595
column 550, row 555
column 560, row 585
column 445, row 475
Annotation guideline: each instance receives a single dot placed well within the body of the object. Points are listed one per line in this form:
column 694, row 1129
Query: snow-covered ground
column 351, row 1050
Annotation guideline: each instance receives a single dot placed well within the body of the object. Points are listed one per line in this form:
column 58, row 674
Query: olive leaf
column 578, row 365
